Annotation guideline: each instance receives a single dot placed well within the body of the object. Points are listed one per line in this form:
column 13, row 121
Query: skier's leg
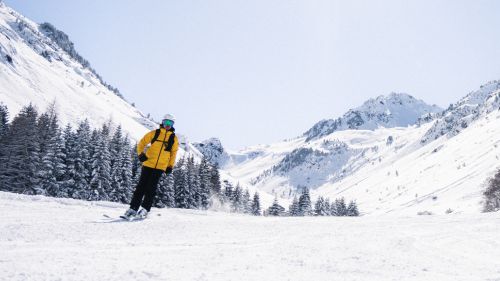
column 141, row 187
column 150, row 193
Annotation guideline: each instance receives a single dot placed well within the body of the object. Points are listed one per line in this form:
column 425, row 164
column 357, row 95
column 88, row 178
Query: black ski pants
column 146, row 188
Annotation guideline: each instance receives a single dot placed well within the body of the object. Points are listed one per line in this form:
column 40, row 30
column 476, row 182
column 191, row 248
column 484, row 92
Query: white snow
column 405, row 176
column 63, row 239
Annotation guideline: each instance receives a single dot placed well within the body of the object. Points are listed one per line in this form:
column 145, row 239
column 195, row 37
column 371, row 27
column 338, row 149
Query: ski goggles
column 167, row 123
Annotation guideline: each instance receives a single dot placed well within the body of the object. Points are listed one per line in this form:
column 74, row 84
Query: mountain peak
column 213, row 151
column 393, row 110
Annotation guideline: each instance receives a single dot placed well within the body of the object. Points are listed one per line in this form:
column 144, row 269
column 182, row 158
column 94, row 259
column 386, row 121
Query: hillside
column 40, row 65
column 407, row 159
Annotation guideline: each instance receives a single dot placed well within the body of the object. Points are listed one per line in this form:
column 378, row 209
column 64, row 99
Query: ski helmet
column 169, row 117
column 168, row 120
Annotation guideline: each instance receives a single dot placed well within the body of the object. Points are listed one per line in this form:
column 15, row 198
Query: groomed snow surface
column 62, row 239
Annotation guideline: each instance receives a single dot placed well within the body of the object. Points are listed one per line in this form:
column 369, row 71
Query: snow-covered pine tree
column 52, row 168
column 20, row 154
column 328, row 208
column 228, row 191
column 276, row 209
column 136, row 166
column 4, row 121
column 215, row 184
column 126, row 172
column 69, row 150
column 100, row 183
column 237, row 199
column 246, row 202
column 352, row 209
column 305, row 206
column 339, row 208
column 294, row 208
column 81, row 161
column 492, row 194
column 204, row 189
column 319, row 207
column 116, row 146
column 165, row 196
column 256, row 205
column 182, row 192
column 193, row 184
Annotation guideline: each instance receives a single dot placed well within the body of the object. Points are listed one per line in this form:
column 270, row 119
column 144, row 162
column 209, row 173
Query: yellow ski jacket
column 158, row 157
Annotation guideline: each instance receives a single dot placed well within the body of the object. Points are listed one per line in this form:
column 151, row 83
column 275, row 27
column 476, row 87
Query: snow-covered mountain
column 392, row 154
column 394, row 110
column 39, row 65
column 213, row 151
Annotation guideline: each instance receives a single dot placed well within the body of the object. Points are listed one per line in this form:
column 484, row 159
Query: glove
column 143, row 157
column 168, row 171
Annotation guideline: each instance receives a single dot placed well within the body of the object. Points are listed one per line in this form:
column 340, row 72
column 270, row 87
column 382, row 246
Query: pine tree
column 305, row 203
column 256, row 205
column 194, row 200
column 166, row 194
column 82, row 167
column 352, row 209
column 4, row 121
column 319, row 207
column 100, row 183
column 294, row 209
column 69, row 150
column 228, row 191
column 182, row 192
column 204, row 189
column 328, row 208
column 339, row 208
column 246, row 202
column 237, row 199
column 215, row 184
column 126, row 172
column 116, row 148
column 20, row 157
column 492, row 194
column 276, row 209
column 52, row 168
column 136, row 166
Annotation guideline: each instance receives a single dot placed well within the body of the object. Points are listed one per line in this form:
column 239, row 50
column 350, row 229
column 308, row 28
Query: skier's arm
column 173, row 152
column 144, row 141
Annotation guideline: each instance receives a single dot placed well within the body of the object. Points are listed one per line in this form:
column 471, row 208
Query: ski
column 122, row 218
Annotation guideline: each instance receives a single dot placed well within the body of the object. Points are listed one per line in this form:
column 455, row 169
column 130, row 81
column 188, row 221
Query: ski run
column 45, row 238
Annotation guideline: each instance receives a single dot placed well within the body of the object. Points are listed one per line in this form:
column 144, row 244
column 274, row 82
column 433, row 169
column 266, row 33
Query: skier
column 158, row 159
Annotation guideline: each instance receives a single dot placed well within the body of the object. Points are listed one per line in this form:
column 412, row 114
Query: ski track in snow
column 63, row 239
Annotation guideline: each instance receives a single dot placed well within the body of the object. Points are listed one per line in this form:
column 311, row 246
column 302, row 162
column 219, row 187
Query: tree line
column 303, row 206
column 37, row 156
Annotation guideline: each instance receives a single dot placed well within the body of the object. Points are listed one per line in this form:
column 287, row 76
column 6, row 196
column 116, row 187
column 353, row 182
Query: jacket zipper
column 161, row 149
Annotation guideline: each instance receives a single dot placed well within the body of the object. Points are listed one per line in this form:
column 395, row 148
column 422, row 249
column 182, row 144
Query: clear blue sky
column 253, row 72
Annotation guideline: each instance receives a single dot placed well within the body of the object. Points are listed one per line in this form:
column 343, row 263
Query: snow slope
column 439, row 164
column 63, row 239
column 35, row 69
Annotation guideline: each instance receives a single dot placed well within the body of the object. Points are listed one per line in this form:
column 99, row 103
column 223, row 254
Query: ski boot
column 142, row 214
column 129, row 214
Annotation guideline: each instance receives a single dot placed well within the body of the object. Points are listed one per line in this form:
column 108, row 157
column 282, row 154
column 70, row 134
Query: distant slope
column 398, row 162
